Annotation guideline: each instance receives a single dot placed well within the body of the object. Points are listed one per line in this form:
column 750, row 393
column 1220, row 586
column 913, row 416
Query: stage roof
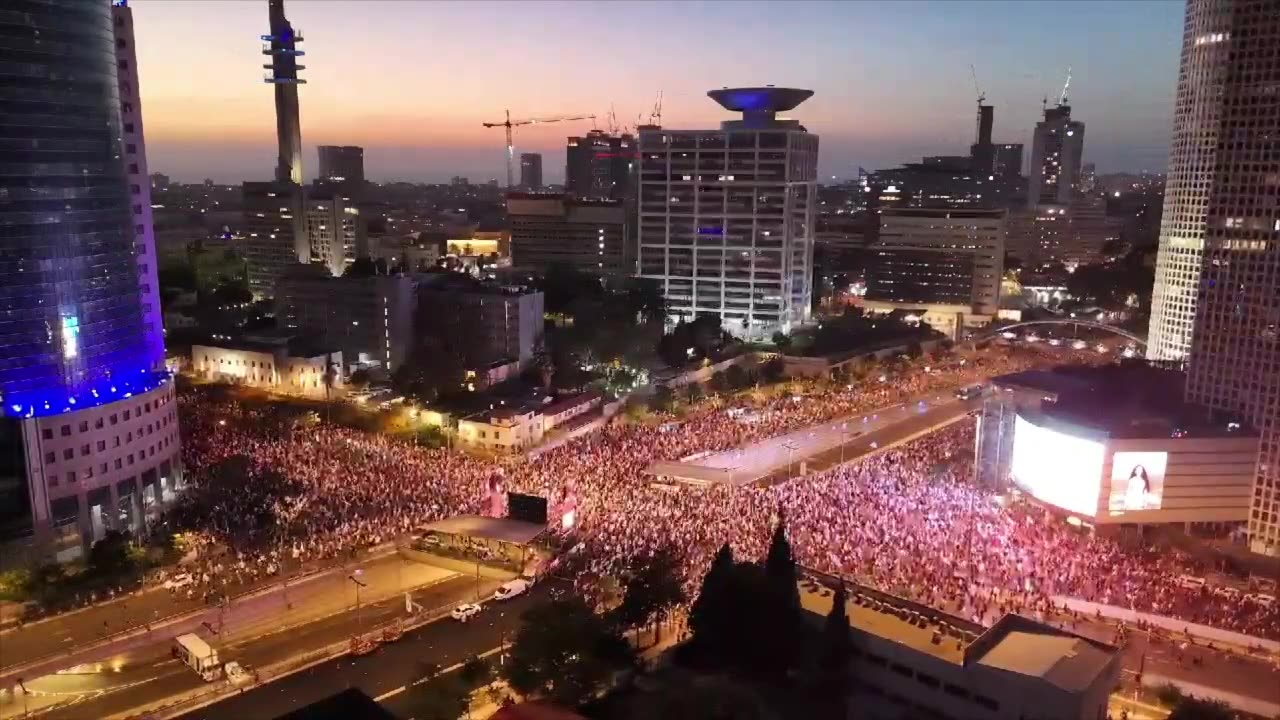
column 518, row 532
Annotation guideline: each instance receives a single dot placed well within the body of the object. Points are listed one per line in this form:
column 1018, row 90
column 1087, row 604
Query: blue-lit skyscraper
column 82, row 384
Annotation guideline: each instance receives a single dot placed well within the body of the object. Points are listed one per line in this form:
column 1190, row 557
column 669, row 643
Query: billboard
column 1057, row 468
column 1137, row 481
column 529, row 508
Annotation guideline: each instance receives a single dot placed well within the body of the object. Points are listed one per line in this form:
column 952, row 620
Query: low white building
column 270, row 365
column 501, row 431
column 559, row 412
column 911, row 660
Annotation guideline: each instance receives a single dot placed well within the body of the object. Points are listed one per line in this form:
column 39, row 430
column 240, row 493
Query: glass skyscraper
column 71, row 318
column 89, row 429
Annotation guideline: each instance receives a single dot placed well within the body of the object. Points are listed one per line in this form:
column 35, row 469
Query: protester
column 269, row 490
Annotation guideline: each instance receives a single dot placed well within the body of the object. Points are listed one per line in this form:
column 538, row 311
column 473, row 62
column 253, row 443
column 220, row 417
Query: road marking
column 446, row 671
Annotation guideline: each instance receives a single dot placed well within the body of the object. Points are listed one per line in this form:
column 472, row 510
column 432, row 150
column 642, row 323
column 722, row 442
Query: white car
column 236, row 674
column 1079, row 345
column 180, row 580
column 1055, row 342
column 511, row 589
column 465, row 612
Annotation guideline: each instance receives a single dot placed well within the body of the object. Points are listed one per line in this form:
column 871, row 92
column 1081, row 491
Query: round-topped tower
column 759, row 105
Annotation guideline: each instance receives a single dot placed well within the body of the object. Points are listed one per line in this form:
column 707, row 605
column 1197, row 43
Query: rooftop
column 1014, row 644
column 517, row 532
column 1122, row 401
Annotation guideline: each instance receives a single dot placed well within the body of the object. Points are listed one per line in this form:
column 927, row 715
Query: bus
column 198, row 655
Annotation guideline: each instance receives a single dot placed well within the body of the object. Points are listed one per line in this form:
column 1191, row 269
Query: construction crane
column 655, row 117
column 1062, row 99
column 981, row 95
column 509, row 124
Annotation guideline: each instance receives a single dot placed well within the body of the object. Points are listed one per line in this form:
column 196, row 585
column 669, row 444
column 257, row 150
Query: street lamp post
column 844, row 432
column 355, row 578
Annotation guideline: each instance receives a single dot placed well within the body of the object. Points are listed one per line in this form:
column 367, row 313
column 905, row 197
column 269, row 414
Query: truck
column 198, row 655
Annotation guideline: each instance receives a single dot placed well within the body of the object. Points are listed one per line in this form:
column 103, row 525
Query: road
column 108, row 628
column 442, row 643
column 151, row 675
column 304, row 609
column 819, row 447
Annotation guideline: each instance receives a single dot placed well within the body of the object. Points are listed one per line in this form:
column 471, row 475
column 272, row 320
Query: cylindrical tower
column 72, row 331
column 1193, row 153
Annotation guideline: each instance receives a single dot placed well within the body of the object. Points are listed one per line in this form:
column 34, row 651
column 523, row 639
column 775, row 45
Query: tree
column 773, row 370
column 684, row 697
column 111, row 555
column 836, row 655
column 1189, row 708
column 652, row 586
column 664, row 398
column 476, row 671
column 784, row 624
column 712, row 617
column 782, row 341
column 736, row 377
column 359, row 379
column 565, row 653
column 434, row 369
column 445, row 697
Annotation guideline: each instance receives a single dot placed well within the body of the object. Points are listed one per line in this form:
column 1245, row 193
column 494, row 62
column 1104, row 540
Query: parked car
column 236, row 674
column 465, row 612
column 180, row 580
column 511, row 589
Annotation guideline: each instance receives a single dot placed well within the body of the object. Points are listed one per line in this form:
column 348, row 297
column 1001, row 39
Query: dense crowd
column 275, row 488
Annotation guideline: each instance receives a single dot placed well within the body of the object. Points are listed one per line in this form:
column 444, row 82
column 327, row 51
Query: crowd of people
column 273, row 488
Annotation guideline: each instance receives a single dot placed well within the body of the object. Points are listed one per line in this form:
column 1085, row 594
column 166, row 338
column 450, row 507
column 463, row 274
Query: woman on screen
column 1135, row 496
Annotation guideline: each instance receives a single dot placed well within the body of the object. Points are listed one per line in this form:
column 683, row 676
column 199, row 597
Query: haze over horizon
column 412, row 82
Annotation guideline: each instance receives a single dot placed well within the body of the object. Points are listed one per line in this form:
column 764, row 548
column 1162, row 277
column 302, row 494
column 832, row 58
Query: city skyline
column 419, row 115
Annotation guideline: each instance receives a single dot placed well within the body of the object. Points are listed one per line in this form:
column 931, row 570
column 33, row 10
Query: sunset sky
column 412, row 80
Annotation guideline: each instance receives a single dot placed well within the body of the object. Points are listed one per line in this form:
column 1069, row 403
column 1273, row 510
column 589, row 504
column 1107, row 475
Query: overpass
column 1061, row 322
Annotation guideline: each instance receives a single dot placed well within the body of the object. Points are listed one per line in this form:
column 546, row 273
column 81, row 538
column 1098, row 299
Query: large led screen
column 1137, row 481
column 1057, row 468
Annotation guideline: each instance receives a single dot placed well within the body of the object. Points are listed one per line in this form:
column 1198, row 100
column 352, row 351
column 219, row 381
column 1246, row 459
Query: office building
column 159, row 181
column 89, row 435
column 368, row 318
column 343, row 164
column 1214, row 71
column 913, row 661
column 726, row 216
column 1068, row 235
column 600, row 165
column 275, row 214
column 135, row 148
column 336, row 232
column 945, row 264
column 1057, row 144
column 1006, row 160
column 531, row 171
column 1221, row 202
column 270, row 243
column 559, row 230
column 486, row 324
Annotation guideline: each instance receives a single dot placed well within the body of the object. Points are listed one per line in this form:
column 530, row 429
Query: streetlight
column 355, row 578
column 844, row 432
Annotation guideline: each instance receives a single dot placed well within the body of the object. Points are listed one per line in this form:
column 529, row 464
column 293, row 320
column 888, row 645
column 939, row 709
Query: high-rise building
column 1220, row 203
column 1212, row 68
column 139, row 181
column 272, row 241
column 486, row 324
column 1056, row 148
column 600, row 165
column 587, row 235
column 370, row 319
column 531, row 171
column 1069, row 235
column 335, row 231
column 726, row 216
column 945, row 263
column 89, row 434
column 159, row 181
column 342, row 164
column 1007, row 160
column 275, row 212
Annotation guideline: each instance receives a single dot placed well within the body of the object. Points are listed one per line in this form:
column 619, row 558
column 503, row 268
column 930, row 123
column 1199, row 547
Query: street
column 442, row 643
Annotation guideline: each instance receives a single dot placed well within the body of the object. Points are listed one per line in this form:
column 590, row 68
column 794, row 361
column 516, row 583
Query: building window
column 47, row 433
column 84, row 426
column 50, row 458
column 98, row 423
column 66, row 431
column 84, row 449
column 68, row 454
column 102, row 445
